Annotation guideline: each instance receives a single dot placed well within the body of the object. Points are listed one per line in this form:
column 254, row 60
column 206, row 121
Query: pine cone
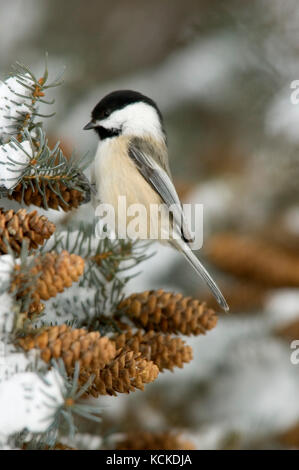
column 72, row 197
column 254, row 259
column 153, row 441
column 91, row 350
column 121, row 372
column 54, row 272
column 168, row 312
column 58, row 271
column 126, row 372
column 15, row 227
column 165, row 351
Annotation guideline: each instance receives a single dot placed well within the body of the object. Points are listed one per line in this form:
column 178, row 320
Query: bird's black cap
column 118, row 100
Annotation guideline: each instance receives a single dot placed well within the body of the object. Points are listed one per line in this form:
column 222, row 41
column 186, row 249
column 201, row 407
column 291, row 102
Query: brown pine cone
column 126, row 372
column 114, row 372
column 72, row 197
column 168, row 312
column 16, row 227
column 254, row 259
column 165, row 351
column 91, row 350
column 143, row 440
column 58, row 271
column 54, row 272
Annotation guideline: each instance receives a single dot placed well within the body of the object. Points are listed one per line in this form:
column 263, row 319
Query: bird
column 132, row 161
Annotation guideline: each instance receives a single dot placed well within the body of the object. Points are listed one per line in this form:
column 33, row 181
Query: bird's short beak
column 90, row 125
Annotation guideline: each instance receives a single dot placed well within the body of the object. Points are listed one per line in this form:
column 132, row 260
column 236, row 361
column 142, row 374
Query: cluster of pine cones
column 126, row 361
column 149, row 323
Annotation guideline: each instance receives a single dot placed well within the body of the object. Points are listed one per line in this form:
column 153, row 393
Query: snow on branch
column 6, row 298
column 30, row 171
column 14, row 104
column 20, row 96
column 13, row 161
column 29, row 401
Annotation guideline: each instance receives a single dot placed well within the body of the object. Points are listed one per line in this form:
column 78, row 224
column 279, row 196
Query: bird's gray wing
column 147, row 158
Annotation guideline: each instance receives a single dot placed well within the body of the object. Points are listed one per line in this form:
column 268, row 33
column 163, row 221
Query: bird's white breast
column 115, row 175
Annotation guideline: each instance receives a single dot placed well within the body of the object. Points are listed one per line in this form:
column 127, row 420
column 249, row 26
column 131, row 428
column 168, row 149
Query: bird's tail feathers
column 202, row 272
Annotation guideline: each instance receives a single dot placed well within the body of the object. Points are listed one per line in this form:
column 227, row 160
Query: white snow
column 217, row 198
column 6, row 299
column 67, row 306
column 282, row 117
column 14, row 361
column 249, row 391
column 28, row 401
column 147, row 274
column 13, row 161
column 7, row 263
column 282, row 307
column 83, row 441
column 6, row 313
column 13, row 106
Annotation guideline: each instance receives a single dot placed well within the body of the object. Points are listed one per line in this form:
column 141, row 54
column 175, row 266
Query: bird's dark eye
column 106, row 113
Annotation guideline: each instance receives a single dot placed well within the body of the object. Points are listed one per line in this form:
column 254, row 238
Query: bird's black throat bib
column 104, row 133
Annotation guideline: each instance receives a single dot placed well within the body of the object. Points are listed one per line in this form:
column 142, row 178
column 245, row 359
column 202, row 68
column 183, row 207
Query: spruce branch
column 106, row 257
column 18, row 285
column 47, row 178
column 62, row 417
column 32, row 172
column 59, row 410
column 39, row 277
column 25, row 93
column 35, row 398
column 107, row 271
column 73, row 403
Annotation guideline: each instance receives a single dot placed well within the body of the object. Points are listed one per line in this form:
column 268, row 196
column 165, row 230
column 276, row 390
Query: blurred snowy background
column 221, row 73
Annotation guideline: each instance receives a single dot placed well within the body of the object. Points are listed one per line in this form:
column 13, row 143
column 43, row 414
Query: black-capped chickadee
column 132, row 161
